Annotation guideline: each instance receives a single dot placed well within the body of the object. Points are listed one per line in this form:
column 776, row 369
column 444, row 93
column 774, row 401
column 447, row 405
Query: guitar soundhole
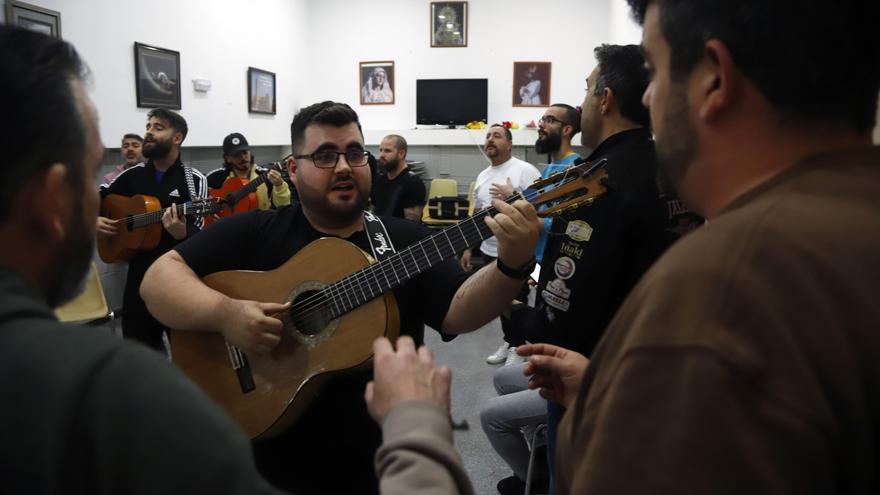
column 310, row 314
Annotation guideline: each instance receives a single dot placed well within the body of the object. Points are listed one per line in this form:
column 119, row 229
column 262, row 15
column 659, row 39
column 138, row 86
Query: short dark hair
column 174, row 119
column 326, row 112
column 399, row 142
column 797, row 64
column 133, row 136
column 622, row 69
column 507, row 133
column 36, row 87
column 572, row 116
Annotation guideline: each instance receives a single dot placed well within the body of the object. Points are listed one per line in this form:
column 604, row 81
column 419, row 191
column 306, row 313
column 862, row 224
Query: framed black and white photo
column 261, row 91
column 377, row 82
column 531, row 84
column 157, row 77
column 34, row 18
column 449, row 24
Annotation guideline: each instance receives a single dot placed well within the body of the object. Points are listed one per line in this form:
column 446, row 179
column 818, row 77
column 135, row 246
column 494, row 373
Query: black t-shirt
column 596, row 253
column 330, row 449
column 264, row 240
column 390, row 197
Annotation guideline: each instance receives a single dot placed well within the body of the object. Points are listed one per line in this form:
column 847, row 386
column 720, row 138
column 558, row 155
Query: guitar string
column 316, row 302
column 310, row 305
column 368, row 277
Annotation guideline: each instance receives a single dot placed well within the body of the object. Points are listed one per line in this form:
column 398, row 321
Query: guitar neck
column 146, row 219
column 374, row 280
column 253, row 185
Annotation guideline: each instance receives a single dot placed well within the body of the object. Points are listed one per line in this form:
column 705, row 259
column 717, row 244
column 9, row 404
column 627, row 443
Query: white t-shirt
column 521, row 175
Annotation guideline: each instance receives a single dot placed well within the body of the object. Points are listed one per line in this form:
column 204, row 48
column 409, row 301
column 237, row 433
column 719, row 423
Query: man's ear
column 715, row 80
column 178, row 138
column 607, row 101
column 46, row 199
column 291, row 169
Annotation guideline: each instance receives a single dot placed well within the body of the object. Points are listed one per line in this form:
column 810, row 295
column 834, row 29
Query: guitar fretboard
column 371, row 282
column 145, row 219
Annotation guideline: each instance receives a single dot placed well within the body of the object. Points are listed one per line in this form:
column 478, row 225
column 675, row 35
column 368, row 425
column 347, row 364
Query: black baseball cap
column 233, row 143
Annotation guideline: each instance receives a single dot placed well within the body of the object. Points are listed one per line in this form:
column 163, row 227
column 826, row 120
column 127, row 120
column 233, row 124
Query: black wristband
column 521, row 273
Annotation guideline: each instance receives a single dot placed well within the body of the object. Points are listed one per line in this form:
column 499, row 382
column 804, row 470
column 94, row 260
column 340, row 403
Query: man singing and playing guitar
column 238, row 164
column 166, row 179
column 330, row 446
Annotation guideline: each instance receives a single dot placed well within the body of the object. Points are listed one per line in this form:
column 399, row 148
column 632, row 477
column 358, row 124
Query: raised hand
column 404, row 375
column 557, row 372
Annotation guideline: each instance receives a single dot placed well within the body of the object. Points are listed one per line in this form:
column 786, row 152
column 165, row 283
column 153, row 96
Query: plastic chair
column 440, row 188
column 471, row 198
column 538, row 435
column 90, row 307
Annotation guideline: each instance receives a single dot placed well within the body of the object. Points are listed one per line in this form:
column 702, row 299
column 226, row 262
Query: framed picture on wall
column 449, row 24
column 156, row 77
column 531, row 84
column 35, row 18
column 377, row 83
column 261, row 91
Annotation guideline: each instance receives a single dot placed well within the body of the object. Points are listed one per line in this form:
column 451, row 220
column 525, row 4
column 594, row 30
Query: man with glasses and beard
column 330, row 448
column 744, row 361
column 165, row 177
column 86, row 413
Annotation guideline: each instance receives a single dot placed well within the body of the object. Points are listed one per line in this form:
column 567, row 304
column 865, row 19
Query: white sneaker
column 513, row 357
column 498, row 356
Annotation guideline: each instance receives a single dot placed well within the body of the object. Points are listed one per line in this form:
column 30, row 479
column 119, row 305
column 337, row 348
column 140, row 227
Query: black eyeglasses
column 549, row 119
column 329, row 158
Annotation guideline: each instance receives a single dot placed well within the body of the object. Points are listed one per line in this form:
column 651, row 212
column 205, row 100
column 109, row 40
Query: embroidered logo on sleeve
column 174, row 194
column 579, row 230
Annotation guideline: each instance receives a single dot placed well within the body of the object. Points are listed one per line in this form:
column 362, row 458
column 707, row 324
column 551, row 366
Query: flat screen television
column 451, row 101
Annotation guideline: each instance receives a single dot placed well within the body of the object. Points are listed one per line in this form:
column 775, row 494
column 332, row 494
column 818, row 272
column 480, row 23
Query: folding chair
column 90, row 307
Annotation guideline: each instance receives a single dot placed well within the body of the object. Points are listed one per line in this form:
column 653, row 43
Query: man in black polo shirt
column 397, row 191
column 596, row 253
column 330, row 448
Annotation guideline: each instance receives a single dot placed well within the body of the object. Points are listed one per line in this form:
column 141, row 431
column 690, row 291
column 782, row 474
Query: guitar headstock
column 570, row 188
column 202, row 207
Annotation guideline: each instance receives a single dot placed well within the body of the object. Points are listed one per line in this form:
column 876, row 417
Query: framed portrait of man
column 156, row 77
column 449, row 24
column 34, row 18
column 531, row 84
column 261, row 91
column 377, row 82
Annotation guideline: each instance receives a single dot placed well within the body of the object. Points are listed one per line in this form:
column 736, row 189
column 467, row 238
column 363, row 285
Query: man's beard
column 67, row 269
column 157, row 149
column 333, row 214
column 390, row 165
column 677, row 146
column 549, row 144
column 131, row 161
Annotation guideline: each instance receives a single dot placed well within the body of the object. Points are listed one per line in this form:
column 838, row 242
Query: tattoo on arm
column 469, row 284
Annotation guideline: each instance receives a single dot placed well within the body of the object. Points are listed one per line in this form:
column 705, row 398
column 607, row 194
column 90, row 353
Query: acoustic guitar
column 238, row 195
column 341, row 301
column 141, row 226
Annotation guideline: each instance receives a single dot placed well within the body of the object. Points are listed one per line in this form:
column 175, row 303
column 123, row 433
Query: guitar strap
column 380, row 241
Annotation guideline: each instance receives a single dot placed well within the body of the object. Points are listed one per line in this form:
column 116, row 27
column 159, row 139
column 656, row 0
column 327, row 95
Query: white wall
column 345, row 32
column 314, row 47
column 217, row 40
